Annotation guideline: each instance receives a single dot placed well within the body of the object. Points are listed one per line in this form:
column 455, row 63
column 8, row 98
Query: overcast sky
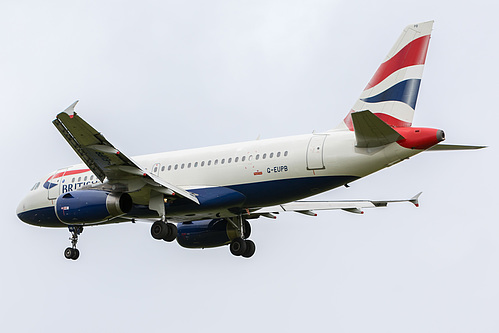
column 168, row 75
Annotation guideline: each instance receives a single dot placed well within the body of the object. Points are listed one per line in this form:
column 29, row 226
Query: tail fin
column 393, row 90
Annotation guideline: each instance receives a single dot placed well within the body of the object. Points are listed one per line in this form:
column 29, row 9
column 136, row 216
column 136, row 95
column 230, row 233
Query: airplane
column 206, row 197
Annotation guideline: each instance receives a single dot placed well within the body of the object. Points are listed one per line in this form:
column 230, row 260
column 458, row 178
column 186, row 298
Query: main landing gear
column 242, row 246
column 165, row 231
column 72, row 252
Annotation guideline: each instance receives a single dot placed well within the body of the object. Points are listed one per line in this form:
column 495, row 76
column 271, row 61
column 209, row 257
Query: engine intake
column 91, row 206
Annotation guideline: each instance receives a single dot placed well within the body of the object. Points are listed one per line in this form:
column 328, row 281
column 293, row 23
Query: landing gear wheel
column 172, row 232
column 76, row 254
column 237, row 246
column 247, row 229
column 71, row 253
column 68, row 253
column 250, row 249
column 159, row 230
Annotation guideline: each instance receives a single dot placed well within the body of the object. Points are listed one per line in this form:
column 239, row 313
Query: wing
column 114, row 169
column 308, row 207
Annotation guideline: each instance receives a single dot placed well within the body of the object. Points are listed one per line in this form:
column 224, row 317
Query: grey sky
column 167, row 75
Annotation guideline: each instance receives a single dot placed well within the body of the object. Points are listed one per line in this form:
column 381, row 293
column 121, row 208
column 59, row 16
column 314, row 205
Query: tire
column 250, row 249
column 159, row 230
column 76, row 254
column 247, row 229
column 68, row 253
column 172, row 232
column 237, row 246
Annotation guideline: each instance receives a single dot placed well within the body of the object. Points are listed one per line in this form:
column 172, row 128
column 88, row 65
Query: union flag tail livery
column 392, row 92
column 206, row 197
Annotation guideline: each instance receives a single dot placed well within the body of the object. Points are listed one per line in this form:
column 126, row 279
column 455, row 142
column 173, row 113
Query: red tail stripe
column 412, row 54
column 390, row 120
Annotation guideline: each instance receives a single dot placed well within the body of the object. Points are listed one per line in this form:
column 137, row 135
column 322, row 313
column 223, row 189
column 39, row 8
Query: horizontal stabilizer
column 441, row 147
column 370, row 131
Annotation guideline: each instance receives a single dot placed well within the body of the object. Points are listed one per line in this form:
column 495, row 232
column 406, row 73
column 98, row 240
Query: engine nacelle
column 91, row 206
column 206, row 233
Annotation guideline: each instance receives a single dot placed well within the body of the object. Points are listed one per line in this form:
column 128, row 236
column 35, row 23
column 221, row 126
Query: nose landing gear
column 72, row 252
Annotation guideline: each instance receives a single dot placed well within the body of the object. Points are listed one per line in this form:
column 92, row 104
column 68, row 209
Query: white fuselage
column 267, row 172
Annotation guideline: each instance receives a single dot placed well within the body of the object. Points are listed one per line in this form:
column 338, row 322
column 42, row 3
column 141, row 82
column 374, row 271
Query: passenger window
column 202, row 163
column 236, row 159
column 216, row 162
column 257, row 157
column 72, row 180
column 209, row 162
column 183, row 165
column 196, row 164
column 189, row 165
column 271, row 155
column 176, row 166
column 264, row 156
column 92, row 177
column 162, row 168
column 243, row 158
column 84, row 179
column 169, row 167
column 278, row 154
column 223, row 161
column 229, row 160
column 286, row 153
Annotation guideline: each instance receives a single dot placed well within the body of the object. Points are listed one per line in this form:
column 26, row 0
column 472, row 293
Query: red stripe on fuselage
column 67, row 173
column 412, row 54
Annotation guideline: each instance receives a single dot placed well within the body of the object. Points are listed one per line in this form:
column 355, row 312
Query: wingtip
column 415, row 199
column 70, row 110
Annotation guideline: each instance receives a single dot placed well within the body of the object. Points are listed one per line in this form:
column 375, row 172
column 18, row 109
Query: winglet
column 415, row 199
column 70, row 110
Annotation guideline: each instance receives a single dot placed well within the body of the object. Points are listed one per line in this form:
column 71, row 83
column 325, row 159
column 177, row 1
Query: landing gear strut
column 165, row 231
column 72, row 252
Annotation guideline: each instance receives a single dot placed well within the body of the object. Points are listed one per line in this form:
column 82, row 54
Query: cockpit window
column 35, row 186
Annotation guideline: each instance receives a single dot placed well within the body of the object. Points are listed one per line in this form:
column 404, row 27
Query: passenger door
column 315, row 150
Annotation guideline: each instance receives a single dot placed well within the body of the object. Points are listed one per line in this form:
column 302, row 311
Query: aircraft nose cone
column 20, row 208
column 21, row 212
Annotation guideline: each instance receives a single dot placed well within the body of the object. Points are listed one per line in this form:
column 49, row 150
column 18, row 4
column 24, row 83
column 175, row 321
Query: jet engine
column 91, row 206
column 208, row 233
